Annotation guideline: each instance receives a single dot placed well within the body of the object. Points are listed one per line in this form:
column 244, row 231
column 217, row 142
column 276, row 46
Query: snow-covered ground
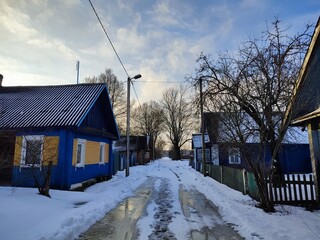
column 26, row 215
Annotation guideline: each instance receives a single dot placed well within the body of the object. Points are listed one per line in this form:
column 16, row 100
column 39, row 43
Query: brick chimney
column 1, row 78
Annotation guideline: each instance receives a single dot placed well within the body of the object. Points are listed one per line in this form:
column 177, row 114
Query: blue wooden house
column 294, row 157
column 72, row 126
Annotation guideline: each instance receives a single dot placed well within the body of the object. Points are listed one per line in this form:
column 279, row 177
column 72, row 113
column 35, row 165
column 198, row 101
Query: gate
column 298, row 190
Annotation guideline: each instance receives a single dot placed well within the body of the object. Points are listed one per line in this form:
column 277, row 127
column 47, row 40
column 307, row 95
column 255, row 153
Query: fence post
column 245, row 182
column 314, row 145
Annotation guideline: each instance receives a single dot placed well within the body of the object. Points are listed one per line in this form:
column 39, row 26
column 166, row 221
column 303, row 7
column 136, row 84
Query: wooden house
column 139, row 151
column 305, row 110
column 294, row 157
column 71, row 126
column 197, row 150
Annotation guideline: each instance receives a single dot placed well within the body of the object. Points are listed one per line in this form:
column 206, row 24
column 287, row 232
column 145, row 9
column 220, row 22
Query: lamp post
column 202, row 131
column 128, row 122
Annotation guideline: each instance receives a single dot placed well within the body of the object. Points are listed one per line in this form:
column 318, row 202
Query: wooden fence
column 298, row 188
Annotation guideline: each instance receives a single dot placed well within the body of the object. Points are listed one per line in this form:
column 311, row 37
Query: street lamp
column 202, row 131
column 128, row 122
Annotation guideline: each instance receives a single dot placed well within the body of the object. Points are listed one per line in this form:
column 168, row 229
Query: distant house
column 306, row 106
column 71, row 125
column 197, row 150
column 140, row 151
column 294, row 157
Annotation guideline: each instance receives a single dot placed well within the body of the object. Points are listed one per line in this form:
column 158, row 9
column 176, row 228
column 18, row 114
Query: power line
column 115, row 51
column 134, row 89
column 105, row 32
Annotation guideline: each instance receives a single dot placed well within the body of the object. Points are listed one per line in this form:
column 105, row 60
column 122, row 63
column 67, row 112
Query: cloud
column 42, row 39
column 167, row 13
column 28, row 51
column 15, row 22
column 152, row 86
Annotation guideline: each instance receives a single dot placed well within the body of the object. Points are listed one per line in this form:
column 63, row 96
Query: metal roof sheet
column 46, row 106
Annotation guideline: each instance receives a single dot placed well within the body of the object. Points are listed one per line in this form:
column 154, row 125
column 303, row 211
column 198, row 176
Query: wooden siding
column 17, row 151
column 106, row 153
column 50, row 150
column 74, row 152
column 92, row 152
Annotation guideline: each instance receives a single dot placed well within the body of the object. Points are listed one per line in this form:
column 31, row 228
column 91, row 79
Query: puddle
column 202, row 214
column 196, row 206
column 120, row 222
column 222, row 232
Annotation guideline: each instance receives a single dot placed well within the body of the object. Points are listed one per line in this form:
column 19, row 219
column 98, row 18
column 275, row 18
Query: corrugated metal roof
column 46, row 106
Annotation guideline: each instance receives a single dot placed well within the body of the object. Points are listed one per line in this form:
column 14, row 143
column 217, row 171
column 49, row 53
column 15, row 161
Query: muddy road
column 158, row 210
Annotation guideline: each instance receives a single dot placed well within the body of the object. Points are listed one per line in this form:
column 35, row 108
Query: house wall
column 224, row 157
column 50, row 150
column 294, row 158
column 92, row 152
column 60, row 146
column 91, row 168
column 22, row 175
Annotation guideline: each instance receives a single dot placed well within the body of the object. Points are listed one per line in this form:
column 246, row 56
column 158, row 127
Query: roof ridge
column 58, row 85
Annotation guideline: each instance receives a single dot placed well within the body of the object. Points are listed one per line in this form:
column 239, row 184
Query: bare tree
column 258, row 81
column 178, row 116
column 159, row 147
column 148, row 120
column 117, row 94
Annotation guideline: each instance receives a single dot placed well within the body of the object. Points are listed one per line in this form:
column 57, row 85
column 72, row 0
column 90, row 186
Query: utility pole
column 202, row 130
column 78, row 69
column 128, row 122
column 128, row 127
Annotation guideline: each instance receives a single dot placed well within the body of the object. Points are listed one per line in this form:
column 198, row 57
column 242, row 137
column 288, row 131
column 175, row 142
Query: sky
column 24, row 213
column 41, row 40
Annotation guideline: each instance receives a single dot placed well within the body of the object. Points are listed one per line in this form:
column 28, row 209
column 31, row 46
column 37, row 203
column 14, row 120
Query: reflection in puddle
column 120, row 222
column 220, row 232
column 202, row 214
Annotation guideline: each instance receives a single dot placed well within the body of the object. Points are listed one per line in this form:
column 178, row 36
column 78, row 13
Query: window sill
column 79, row 165
column 102, row 163
column 22, row 165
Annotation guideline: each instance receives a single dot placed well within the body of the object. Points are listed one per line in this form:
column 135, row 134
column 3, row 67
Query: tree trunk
column 176, row 153
column 45, row 187
column 265, row 202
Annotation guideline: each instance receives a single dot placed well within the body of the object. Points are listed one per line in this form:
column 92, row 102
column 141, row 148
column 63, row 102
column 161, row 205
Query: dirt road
column 157, row 210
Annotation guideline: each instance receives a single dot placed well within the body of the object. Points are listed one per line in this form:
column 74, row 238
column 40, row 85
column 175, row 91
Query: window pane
column 79, row 152
column 33, row 151
column 101, row 153
column 234, row 156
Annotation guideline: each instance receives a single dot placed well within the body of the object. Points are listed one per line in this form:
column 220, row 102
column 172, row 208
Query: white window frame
column 81, row 142
column 234, row 155
column 26, row 138
column 103, row 154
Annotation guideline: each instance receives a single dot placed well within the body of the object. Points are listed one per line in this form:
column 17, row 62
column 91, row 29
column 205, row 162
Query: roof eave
column 302, row 73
